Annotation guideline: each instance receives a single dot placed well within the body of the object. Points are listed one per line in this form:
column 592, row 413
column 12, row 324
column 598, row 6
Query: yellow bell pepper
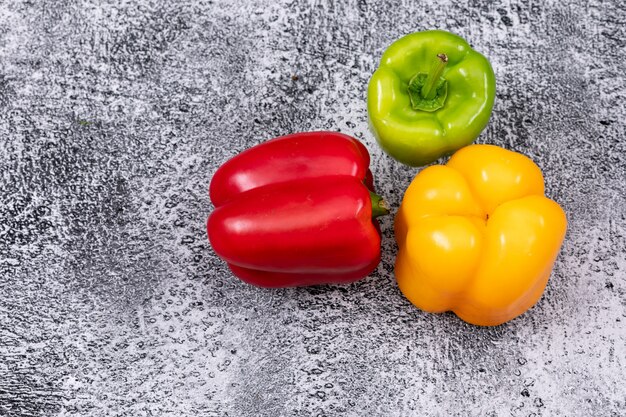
column 477, row 236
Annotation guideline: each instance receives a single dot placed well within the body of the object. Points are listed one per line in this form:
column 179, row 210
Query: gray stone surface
column 113, row 117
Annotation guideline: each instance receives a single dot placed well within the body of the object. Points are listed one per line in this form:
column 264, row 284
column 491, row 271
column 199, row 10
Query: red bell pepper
column 297, row 210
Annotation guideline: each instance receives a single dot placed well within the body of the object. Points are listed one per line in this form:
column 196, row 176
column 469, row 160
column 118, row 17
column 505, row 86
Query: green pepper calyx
column 428, row 92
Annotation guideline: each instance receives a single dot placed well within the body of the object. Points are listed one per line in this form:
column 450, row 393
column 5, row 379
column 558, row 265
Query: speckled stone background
column 113, row 117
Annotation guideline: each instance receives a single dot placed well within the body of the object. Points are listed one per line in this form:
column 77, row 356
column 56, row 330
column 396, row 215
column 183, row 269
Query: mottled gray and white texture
column 113, row 117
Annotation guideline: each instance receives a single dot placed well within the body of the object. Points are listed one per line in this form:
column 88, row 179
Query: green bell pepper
column 431, row 95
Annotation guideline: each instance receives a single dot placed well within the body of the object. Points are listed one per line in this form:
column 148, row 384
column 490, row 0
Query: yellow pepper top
column 477, row 236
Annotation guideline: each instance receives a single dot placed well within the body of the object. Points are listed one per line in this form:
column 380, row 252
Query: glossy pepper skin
column 297, row 210
column 414, row 129
column 477, row 236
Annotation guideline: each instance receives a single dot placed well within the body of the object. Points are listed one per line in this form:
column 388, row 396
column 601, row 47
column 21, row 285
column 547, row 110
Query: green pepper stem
column 429, row 90
column 379, row 206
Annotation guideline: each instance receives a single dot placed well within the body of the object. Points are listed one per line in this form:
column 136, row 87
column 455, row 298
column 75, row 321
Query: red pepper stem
column 428, row 90
column 379, row 206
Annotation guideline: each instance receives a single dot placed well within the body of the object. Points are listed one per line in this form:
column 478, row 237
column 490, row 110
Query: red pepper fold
column 296, row 211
